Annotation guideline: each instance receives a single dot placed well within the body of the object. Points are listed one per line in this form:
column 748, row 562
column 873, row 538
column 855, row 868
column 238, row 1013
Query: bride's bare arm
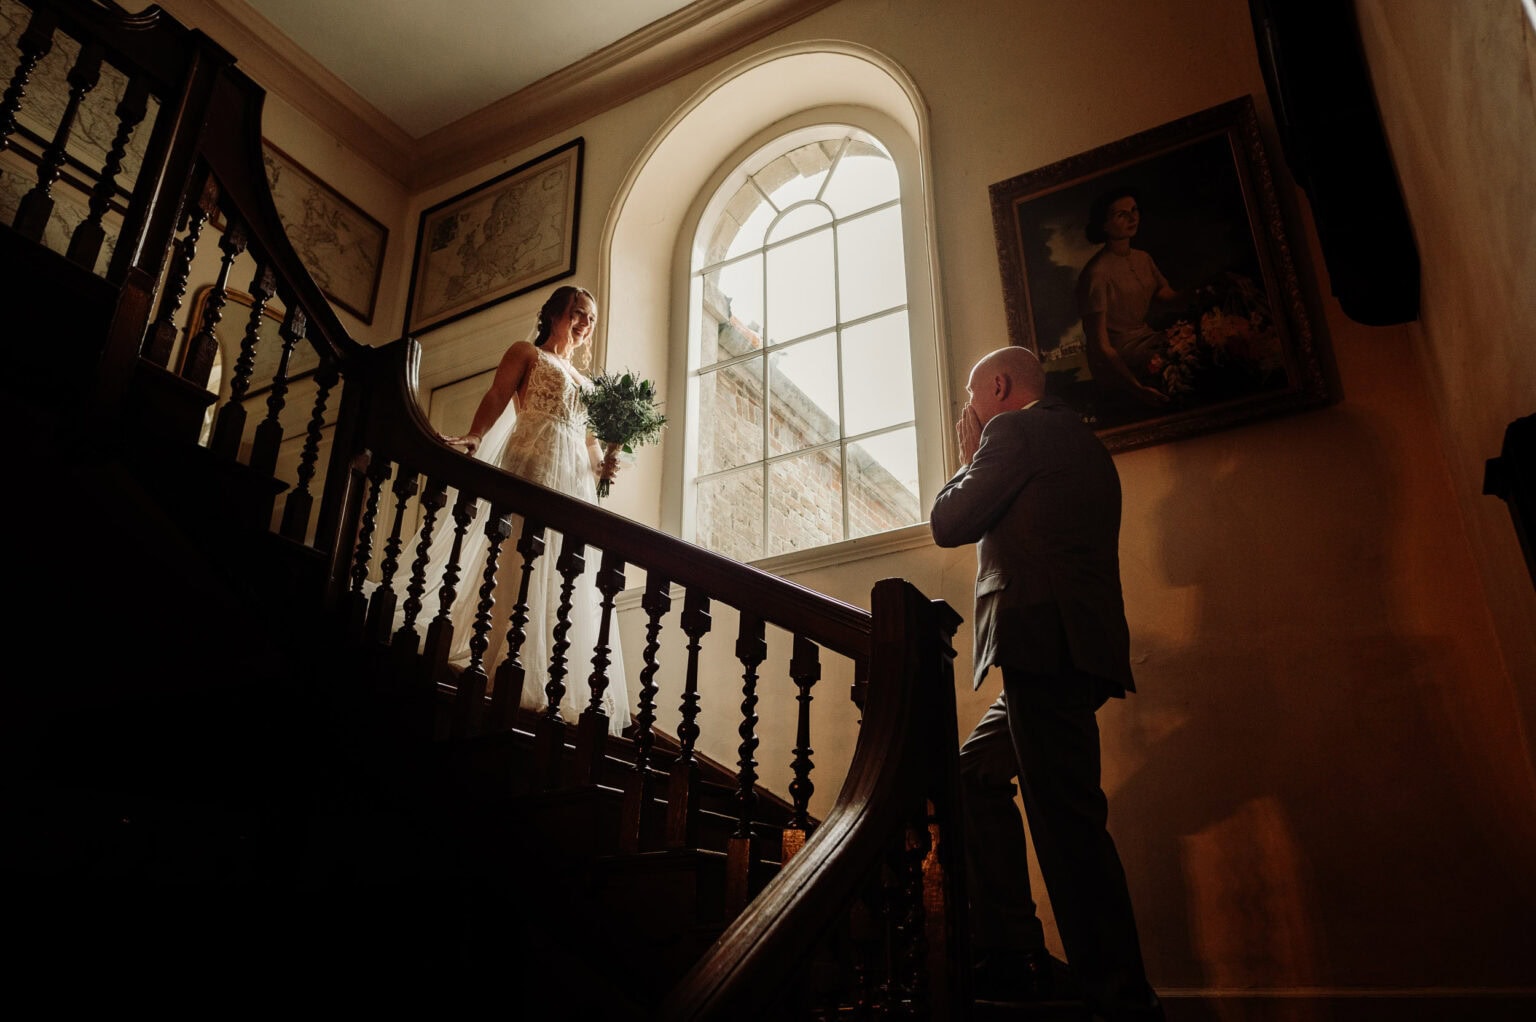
column 594, row 454
column 511, row 375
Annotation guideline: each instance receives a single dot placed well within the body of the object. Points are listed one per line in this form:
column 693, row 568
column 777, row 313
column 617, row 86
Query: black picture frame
column 340, row 245
column 502, row 238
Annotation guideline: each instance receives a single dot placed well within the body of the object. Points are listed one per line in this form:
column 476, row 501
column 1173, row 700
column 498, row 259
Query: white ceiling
column 426, row 64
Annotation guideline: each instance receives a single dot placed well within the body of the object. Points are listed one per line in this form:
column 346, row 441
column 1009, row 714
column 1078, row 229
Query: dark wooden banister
column 235, row 156
column 900, row 789
column 394, row 427
column 904, row 772
column 901, row 775
column 209, row 116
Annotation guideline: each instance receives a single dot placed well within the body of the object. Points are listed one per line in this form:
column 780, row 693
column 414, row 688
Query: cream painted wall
column 1459, row 106
column 1323, row 782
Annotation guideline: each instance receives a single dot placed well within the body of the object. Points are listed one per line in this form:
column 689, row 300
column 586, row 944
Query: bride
column 547, row 444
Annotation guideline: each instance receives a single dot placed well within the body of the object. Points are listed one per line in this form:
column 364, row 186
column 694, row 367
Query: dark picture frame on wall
column 341, row 246
column 1154, row 279
column 499, row 239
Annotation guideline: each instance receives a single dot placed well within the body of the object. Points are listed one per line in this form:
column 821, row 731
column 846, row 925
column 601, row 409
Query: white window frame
column 928, row 367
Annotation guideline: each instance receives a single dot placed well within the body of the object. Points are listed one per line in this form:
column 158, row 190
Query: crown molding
column 277, row 63
column 660, row 52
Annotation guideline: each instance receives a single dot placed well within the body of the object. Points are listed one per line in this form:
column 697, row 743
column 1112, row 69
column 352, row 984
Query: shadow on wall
column 1300, row 814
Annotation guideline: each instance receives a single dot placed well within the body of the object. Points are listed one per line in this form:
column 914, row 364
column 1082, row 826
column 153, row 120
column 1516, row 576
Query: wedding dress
column 547, row 445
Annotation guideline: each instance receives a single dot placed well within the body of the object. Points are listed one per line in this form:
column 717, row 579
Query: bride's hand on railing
column 469, row 441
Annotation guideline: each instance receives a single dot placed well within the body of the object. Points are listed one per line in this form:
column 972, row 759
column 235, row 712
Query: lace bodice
column 554, row 389
column 548, row 443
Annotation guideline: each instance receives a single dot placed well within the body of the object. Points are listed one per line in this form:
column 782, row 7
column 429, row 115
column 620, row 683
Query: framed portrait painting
column 341, row 246
column 503, row 238
column 1153, row 278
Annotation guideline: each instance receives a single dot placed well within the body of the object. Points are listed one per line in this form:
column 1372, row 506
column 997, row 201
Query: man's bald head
column 1005, row 380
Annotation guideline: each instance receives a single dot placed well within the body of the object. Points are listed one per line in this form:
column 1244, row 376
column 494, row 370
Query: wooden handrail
column 903, row 775
column 393, row 426
column 209, row 117
column 898, row 801
column 234, row 153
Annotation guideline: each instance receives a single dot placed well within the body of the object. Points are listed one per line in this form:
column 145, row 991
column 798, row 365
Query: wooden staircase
column 215, row 737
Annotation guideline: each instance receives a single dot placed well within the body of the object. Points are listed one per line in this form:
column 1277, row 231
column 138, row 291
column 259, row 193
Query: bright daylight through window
column 801, row 379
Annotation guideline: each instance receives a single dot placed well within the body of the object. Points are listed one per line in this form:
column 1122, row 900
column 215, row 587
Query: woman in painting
column 543, row 440
column 1115, row 292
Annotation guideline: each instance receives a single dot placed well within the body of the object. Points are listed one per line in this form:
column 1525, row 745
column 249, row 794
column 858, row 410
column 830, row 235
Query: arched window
column 798, row 220
column 800, row 403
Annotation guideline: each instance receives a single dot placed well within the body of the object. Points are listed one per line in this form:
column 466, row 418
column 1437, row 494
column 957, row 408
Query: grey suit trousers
column 1043, row 731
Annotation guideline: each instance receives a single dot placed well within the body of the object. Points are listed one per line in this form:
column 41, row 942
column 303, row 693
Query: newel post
column 933, row 932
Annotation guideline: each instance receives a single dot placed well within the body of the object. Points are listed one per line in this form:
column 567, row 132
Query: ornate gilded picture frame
column 1153, row 278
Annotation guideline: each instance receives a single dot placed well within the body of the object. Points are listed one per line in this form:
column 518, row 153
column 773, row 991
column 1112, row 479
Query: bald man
column 1039, row 495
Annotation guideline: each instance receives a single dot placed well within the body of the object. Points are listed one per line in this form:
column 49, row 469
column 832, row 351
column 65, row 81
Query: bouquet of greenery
column 621, row 413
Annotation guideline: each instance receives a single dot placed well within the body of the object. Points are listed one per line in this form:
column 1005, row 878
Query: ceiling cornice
column 658, row 53
column 282, row 68
column 665, row 50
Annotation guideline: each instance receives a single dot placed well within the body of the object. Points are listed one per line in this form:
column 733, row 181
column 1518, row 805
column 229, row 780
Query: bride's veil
column 472, row 551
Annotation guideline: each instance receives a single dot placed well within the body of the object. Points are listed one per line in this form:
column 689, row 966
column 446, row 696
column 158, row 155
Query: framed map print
column 341, row 246
column 514, row 233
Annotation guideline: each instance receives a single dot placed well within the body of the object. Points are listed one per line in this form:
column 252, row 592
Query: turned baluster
column 378, row 472
column 908, row 930
column 592, row 724
column 300, row 502
column 203, row 347
column 85, row 244
column 570, row 565
column 656, row 602
column 751, row 650
column 469, row 704
column 229, row 427
column 682, row 811
column 507, row 693
column 35, row 43
column 417, row 695
column 439, row 641
column 381, row 609
column 37, row 205
column 866, row 943
column 162, row 337
column 805, row 670
column 269, row 432
column 433, row 499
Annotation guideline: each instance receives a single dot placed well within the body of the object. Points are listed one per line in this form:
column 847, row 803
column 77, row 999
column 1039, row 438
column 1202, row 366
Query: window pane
column 882, row 483
column 732, row 319
column 864, row 177
column 798, row 174
column 781, row 381
column 731, row 416
column 805, row 502
column 801, row 288
column 802, row 395
column 873, row 269
column 802, row 218
column 741, row 225
column 877, row 374
column 730, row 514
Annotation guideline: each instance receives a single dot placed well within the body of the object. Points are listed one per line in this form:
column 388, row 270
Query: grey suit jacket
column 1041, row 499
